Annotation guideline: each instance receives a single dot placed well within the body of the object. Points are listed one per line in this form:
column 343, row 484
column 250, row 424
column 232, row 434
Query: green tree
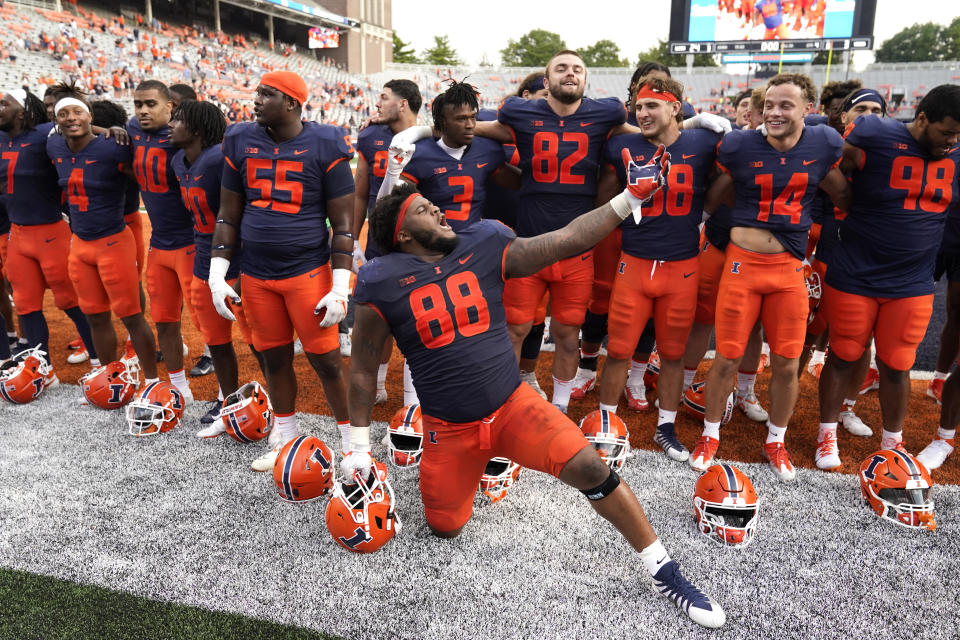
column 533, row 49
column 916, row 43
column 402, row 51
column 603, row 53
column 952, row 40
column 661, row 53
column 441, row 53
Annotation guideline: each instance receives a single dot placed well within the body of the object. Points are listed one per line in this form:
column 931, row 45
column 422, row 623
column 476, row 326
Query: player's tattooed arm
column 370, row 332
column 226, row 234
column 853, row 158
column 495, row 131
column 836, row 185
column 526, row 256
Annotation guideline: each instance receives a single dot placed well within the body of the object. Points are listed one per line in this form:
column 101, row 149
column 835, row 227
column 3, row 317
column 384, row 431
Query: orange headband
column 646, row 91
column 403, row 213
column 287, row 82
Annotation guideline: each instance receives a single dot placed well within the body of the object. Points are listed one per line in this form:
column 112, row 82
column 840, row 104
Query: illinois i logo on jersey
column 735, row 267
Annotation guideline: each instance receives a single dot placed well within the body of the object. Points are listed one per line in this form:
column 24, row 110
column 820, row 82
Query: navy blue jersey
column 829, row 218
column 131, row 200
column 4, row 220
column 670, row 226
column 449, row 322
column 559, row 158
column 501, row 203
column 373, row 143
column 200, row 191
column 457, row 187
column 170, row 222
column 901, row 195
column 286, row 186
column 94, row 184
column 717, row 227
column 815, row 119
column 774, row 190
column 33, row 196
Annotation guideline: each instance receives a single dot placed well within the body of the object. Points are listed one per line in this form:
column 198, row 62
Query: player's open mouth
column 776, row 123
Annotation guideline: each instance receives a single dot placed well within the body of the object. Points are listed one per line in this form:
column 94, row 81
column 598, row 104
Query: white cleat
column 381, row 396
column 936, row 453
column 78, row 356
column 212, row 430
column 265, row 462
column 530, row 377
column 672, row 585
column 297, row 347
column 827, row 455
column 852, row 423
column 751, row 408
column 583, row 383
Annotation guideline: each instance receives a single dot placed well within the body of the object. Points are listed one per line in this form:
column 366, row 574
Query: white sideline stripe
column 180, row 519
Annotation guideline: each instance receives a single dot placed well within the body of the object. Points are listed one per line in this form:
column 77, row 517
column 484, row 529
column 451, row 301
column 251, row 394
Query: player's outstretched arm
column 495, row 131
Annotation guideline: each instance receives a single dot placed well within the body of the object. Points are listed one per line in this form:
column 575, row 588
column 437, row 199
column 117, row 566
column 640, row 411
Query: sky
column 487, row 30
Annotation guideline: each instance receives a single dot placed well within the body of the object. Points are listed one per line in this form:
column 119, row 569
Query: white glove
column 219, row 288
column 358, row 258
column 412, row 134
column 762, row 129
column 714, row 123
column 333, row 306
column 358, row 460
column 398, row 157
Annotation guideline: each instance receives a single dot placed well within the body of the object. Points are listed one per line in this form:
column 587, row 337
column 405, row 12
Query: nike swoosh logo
column 687, row 275
column 110, row 244
column 464, row 260
column 163, row 141
column 585, row 124
column 687, row 157
column 196, row 178
column 481, row 165
column 300, row 152
column 660, row 561
column 314, row 275
column 806, row 162
column 23, row 145
column 799, row 269
column 89, row 161
column 50, row 239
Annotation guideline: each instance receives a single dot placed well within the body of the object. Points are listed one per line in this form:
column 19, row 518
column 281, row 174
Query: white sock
column 711, row 429
column 818, row 357
column 765, row 349
column 946, row 434
column 612, row 408
column 939, row 375
column 745, row 382
column 654, row 556
column 94, row 363
column 149, row 381
column 344, row 428
column 896, row 436
column 409, row 391
column 179, row 379
column 206, row 350
column 561, row 392
column 635, row 377
column 848, row 404
column 286, row 426
column 688, row 376
column 382, row 376
column 12, row 335
column 666, row 416
column 219, row 394
column 775, row 433
column 827, row 428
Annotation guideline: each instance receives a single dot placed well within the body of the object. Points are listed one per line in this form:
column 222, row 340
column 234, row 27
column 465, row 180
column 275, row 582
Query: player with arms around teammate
column 657, row 273
column 774, row 176
column 197, row 130
column 39, row 237
column 102, row 261
column 904, row 179
column 283, row 179
column 439, row 293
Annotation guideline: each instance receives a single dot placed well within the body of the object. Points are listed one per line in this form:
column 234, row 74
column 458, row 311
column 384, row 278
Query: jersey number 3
column 435, row 323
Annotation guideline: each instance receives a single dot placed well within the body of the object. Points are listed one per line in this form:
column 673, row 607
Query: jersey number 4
column 435, row 323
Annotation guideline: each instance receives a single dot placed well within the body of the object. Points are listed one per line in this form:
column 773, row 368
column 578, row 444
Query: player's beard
column 565, row 95
column 433, row 242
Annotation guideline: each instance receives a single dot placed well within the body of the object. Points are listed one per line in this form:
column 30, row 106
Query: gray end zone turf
column 175, row 518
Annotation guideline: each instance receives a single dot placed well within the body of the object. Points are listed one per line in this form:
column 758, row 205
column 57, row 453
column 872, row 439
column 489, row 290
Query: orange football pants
column 169, row 278
column 104, row 274
column 711, row 268
column 606, row 258
column 134, row 221
column 215, row 328
column 569, row 281
column 36, row 259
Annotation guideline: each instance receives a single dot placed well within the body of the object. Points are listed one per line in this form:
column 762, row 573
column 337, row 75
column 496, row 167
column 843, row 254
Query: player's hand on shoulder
column 119, row 134
column 715, row 123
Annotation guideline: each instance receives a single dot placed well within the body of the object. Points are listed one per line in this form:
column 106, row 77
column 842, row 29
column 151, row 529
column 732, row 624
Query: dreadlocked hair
column 383, row 218
column 457, row 94
column 68, row 90
column 108, row 114
column 34, row 111
column 203, row 119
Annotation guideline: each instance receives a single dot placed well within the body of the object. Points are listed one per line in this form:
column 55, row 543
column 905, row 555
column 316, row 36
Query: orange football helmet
column 158, row 408
column 725, row 505
column 405, row 442
column 111, row 386
column 361, row 516
column 23, row 382
column 247, row 413
column 694, row 399
column 897, row 486
column 608, row 435
column 653, row 371
column 814, row 289
column 304, row 469
column 499, row 475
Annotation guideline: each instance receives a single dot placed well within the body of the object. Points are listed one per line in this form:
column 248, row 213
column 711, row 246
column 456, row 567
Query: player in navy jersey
column 197, row 130
column 283, row 179
column 397, row 108
column 657, row 274
column 170, row 257
column 904, row 179
column 39, row 237
column 440, row 293
column 102, row 262
column 8, row 339
column 774, row 176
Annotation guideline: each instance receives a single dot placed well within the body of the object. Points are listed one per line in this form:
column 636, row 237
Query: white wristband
column 359, row 439
column 341, row 282
column 218, row 268
column 621, row 205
